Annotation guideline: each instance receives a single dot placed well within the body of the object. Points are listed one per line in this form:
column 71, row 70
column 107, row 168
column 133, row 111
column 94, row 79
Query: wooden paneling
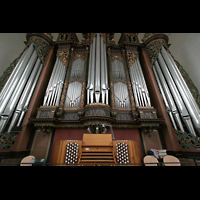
column 97, row 140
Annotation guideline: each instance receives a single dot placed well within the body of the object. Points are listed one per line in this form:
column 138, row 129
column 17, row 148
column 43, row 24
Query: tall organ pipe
column 11, row 78
column 168, row 108
column 176, row 73
column 25, row 108
column 16, row 77
column 89, row 74
column 24, row 95
column 91, row 87
column 175, row 93
column 106, row 72
column 168, row 96
column 97, row 73
column 103, row 86
column 183, row 89
column 17, row 92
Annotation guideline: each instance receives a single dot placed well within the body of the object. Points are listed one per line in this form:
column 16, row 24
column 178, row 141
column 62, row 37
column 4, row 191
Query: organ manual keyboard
column 96, row 149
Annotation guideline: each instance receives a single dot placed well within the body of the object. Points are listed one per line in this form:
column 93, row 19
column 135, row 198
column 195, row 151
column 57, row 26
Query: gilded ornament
column 64, row 57
column 131, row 57
column 113, row 57
column 76, row 56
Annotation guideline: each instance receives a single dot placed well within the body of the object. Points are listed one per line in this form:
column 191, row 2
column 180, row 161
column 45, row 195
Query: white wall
column 185, row 47
column 11, row 46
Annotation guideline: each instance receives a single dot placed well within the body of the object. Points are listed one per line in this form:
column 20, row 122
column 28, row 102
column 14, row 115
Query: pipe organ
column 128, row 97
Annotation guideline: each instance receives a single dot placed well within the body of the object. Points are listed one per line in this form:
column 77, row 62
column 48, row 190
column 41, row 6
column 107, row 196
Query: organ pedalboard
column 97, row 149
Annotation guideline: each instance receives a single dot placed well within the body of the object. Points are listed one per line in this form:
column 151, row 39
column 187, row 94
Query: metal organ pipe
column 50, row 82
column 168, row 107
column 175, row 93
column 143, row 82
column 121, row 95
column 24, row 95
column 15, row 79
column 89, row 74
column 186, row 95
column 97, row 73
column 134, row 86
column 55, row 85
column 91, row 87
column 9, row 109
column 103, row 86
column 11, row 78
column 140, row 90
column 74, row 90
column 97, row 69
column 172, row 105
column 25, row 108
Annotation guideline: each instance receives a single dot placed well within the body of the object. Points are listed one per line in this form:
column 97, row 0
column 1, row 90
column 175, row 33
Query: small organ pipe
column 143, row 83
column 139, row 87
column 134, row 86
column 61, row 84
column 49, row 84
column 54, row 88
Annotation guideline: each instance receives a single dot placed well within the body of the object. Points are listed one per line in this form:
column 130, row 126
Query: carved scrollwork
column 64, row 57
column 131, row 58
column 113, row 57
column 76, row 56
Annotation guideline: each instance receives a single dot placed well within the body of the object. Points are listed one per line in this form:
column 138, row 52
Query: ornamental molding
column 131, row 58
column 64, row 57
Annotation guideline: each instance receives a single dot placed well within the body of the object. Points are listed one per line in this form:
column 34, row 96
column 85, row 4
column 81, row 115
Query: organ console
column 97, row 149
